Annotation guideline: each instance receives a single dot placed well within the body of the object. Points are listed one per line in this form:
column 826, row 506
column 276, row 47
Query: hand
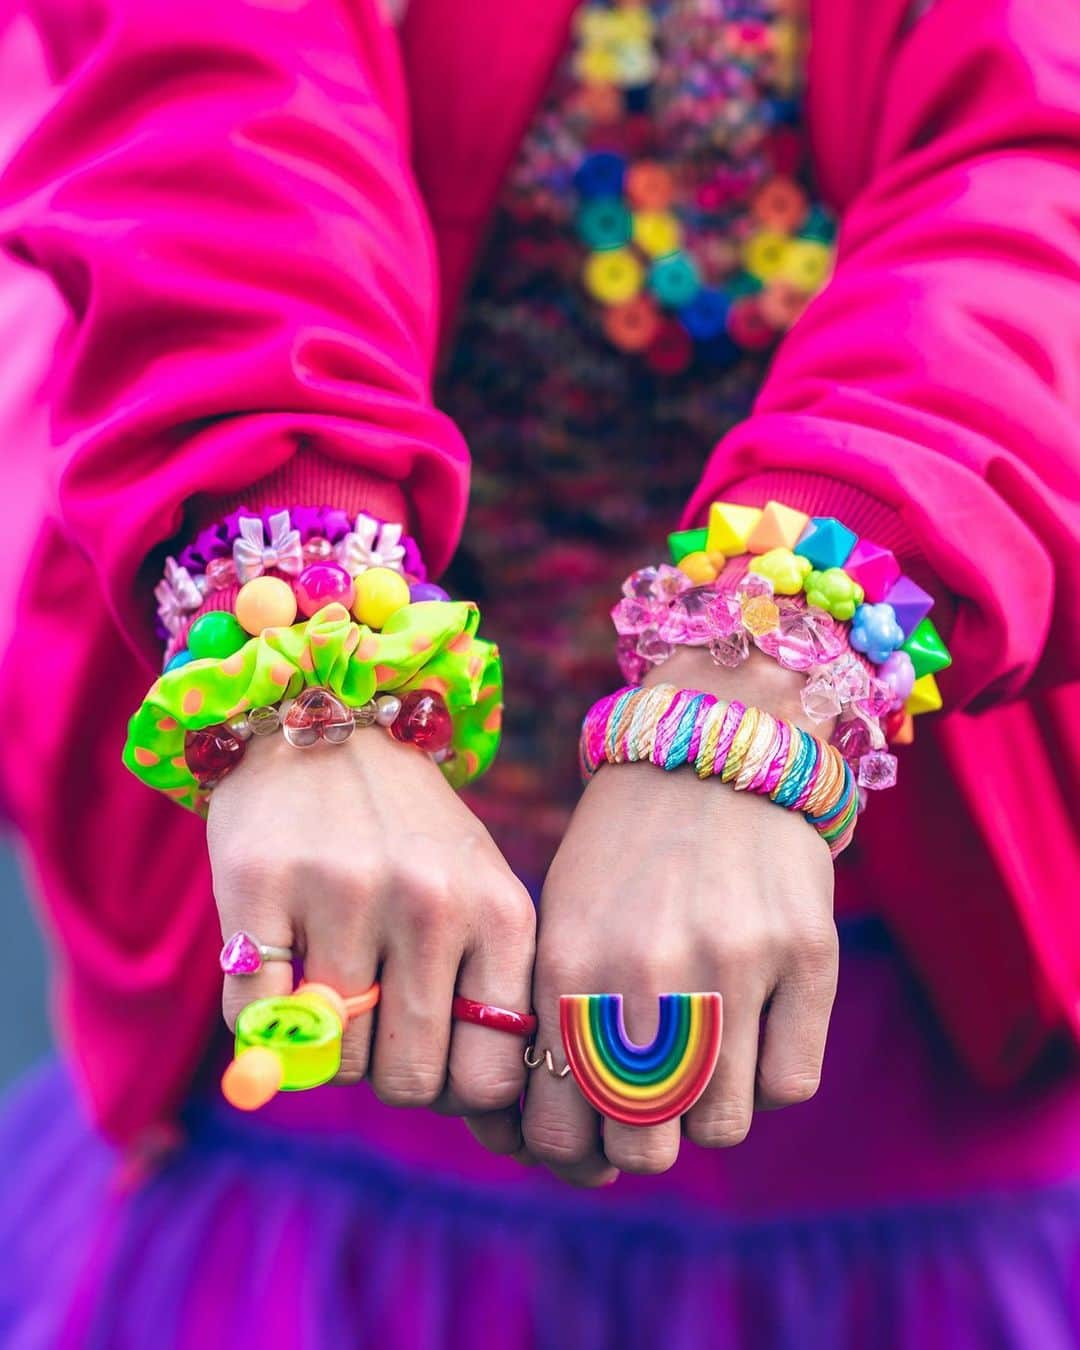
column 667, row 884
column 369, row 865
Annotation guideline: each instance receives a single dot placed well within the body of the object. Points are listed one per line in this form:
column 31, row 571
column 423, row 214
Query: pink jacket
column 255, row 213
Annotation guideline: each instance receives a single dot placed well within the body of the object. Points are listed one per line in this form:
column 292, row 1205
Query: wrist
column 759, row 682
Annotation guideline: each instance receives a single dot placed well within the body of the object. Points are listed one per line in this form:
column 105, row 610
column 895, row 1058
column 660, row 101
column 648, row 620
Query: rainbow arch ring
column 641, row 1084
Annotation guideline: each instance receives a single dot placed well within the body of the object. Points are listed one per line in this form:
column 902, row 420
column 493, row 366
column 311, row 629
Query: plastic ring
column 498, row 1019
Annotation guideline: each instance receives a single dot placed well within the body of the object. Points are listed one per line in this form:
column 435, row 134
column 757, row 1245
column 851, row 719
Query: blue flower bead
column 875, row 632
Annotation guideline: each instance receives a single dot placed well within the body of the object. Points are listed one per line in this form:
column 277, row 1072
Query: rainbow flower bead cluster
column 809, row 594
column 700, row 239
column 277, row 569
column 744, row 747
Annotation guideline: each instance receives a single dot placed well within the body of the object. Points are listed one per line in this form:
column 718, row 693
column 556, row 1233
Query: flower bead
column 786, row 570
column 875, row 632
column 834, row 592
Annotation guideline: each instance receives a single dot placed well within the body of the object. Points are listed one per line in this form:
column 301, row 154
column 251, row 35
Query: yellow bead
column 613, row 276
column 730, row 526
column 760, row 615
column 265, row 602
column 806, row 264
column 925, row 696
column 596, row 64
column 380, row 592
column 632, row 25
column 765, row 254
column 786, row 570
column 779, row 527
column 657, row 233
column 699, row 567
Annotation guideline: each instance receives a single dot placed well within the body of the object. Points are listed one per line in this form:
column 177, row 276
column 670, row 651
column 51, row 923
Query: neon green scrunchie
column 430, row 645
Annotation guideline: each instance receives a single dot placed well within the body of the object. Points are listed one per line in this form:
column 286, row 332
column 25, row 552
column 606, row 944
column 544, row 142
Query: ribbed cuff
column 310, row 479
column 868, row 516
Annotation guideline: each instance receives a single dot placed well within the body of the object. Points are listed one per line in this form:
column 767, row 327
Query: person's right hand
column 364, row 860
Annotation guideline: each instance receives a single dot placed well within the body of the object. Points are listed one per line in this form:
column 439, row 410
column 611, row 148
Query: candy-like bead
column 927, row 651
column 764, row 254
column 874, row 568
column 211, row 753
column 321, row 584
column 380, row 592
column 900, row 728
column 730, row 526
column 265, row 602
column 875, row 632
column 826, row 543
column 177, row 660
column 898, row 673
column 833, row 591
column 699, row 567
column 674, row 280
column 786, row 570
column 423, row 591
column 604, row 222
column 424, row 721
column 683, row 542
column 656, row 233
column 779, row 527
column 613, row 275
column 925, row 697
column 215, row 634
column 910, row 603
column 805, row 264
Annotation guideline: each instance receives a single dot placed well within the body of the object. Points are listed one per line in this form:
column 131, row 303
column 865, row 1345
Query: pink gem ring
column 245, row 955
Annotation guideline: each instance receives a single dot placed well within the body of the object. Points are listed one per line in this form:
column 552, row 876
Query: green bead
column 217, row 633
column 835, row 592
column 927, row 651
column 683, row 542
column 604, row 223
column 742, row 283
column 674, row 280
column 818, row 226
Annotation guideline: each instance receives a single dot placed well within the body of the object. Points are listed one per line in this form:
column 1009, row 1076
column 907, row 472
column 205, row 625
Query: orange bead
column 253, row 1077
column 780, row 204
column 649, row 186
column 781, row 304
column 265, row 602
column 600, row 103
column 632, row 326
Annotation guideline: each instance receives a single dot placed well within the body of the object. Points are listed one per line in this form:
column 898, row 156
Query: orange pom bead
column 252, row 1078
column 265, row 602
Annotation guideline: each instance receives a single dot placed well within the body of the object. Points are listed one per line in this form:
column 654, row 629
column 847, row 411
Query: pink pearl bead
column 323, row 583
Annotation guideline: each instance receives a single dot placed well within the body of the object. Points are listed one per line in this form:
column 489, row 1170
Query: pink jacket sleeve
column 936, row 380
column 221, row 191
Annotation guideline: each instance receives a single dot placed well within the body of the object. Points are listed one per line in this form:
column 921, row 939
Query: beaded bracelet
column 372, row 568
column 743, row 746
column 430, row 646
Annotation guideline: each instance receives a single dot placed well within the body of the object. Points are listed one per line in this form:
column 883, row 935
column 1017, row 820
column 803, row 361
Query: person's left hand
column 666, row 884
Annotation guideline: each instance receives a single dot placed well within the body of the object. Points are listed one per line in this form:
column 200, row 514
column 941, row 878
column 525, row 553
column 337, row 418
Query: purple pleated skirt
column 902, row 1208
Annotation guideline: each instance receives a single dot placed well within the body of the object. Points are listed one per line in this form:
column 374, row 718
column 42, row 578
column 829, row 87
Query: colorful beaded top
column 585, row 449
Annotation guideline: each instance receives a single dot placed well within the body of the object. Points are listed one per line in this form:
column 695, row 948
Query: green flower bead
column 216, row 634
column 835, row 592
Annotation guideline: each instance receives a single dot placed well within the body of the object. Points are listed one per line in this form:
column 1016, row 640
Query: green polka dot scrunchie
column 430, row 645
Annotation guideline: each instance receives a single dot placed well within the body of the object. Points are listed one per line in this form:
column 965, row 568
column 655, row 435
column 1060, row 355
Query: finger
column 561, row 1129
column 346, row 958
column 273, row 979
column 412, row 1036
column 638, row 1148
column 795, row 1031
column 486, row 1066
column 722, row 1116
column 499, row 1132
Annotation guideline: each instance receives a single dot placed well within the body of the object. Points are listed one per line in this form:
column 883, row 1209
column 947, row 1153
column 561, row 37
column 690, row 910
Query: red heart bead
column 316, row 714
column 212, row 753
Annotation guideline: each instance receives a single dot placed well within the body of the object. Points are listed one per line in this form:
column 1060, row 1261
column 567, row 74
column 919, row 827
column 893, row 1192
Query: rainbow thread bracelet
column 743, row 746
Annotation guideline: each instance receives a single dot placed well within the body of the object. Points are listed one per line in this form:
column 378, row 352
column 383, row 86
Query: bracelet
column 318, row 555
column 428, row 647
column 742, row 746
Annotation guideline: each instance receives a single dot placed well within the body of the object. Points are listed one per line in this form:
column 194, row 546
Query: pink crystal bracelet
column 742, row 746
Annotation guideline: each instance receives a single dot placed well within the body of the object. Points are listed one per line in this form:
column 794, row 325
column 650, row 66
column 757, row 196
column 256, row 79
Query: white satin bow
column 253, row 555
column 371, row 545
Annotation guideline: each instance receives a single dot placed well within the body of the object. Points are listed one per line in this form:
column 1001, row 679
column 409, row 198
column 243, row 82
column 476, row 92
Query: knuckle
column 791, row 1088
column 721, row 1127
column 510, row 912
column 818, row 950
column 487, row 1087
column 408, row 1084
column 556, row 1142
column 428, row 906
column 649, row 1157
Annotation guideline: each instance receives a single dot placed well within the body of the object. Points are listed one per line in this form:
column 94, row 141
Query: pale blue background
column 22, row 976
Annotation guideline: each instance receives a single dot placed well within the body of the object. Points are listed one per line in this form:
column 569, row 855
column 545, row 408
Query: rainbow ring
column 641, row 1084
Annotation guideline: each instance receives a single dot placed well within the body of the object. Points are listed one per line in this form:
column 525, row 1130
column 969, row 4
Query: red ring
column 498, row 1019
